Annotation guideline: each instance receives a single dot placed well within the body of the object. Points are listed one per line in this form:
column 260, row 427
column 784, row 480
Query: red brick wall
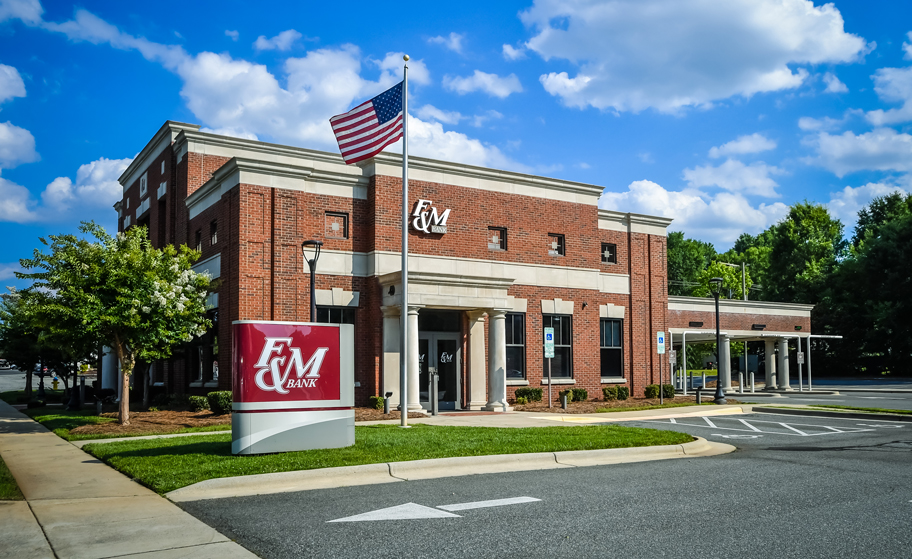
column 739, row 321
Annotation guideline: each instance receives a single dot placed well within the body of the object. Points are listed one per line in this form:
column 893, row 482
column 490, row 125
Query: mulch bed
column 592, row 406
column 370, row 414
column 152, row 422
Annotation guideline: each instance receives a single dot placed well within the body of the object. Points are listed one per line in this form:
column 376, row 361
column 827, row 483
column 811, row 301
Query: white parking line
column 787, row 426
column 749, row 425
column 768, row 427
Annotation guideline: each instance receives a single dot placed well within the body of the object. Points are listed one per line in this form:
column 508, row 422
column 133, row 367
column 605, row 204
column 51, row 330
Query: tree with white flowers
column 139, row 300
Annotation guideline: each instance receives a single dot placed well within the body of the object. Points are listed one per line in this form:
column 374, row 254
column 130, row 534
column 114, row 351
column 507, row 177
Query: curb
column 391, row 472
column 838, row 414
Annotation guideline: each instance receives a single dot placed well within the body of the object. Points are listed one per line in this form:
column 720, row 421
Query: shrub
column 529, row 393
column 521, row 401
column 375, row 402
column 668, row 390
column 652, row 391
column 220, row 401
column 160, row 400
column 568, row 393
column 580, row 394
column 623, row 392
column 36, row 404
column 198, row 403
column 610, row 392
column 153, row 408
column 183, row 401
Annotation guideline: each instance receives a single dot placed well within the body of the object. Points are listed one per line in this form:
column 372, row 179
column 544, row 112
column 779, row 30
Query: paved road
column 12, row 379
column 797, row 487
column 872, row 399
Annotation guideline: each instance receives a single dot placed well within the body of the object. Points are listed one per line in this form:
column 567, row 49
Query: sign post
column 660, row 346
column 549, row 353
column 293, row 386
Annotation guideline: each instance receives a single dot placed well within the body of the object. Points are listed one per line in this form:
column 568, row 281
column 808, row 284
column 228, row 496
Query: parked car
column 4, row 364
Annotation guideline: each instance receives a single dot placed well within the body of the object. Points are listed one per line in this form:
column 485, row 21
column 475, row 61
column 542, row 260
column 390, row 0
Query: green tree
column 881, row 210
column 805, row 249
column 687, row 258
column 731, row 281
column 19, row 342
column 140, row 300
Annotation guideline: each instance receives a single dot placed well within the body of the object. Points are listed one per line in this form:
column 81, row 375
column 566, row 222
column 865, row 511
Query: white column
column 497, row 362
column 477, row 378
column 391, row 354
column 109, row 369
column 725, row 366
column 413, row 365
column 783, row 368
column 770, row 363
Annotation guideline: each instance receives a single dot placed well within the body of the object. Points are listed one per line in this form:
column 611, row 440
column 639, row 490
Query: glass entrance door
column 440, row 351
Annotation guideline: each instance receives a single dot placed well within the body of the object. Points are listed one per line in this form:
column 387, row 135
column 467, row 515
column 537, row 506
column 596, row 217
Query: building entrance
column 439, row 351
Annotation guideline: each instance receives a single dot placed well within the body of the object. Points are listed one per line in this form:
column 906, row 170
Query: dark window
column 516, row 345
column 336, row 225
column 213, row 232
column 497, row 238
column 199, row 240
column 612, row 347
column 609, row 253
column 556, row 245
column 336, row 315
column 562, row 364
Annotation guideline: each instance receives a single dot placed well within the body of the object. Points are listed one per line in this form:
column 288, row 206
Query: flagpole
column 403, row 334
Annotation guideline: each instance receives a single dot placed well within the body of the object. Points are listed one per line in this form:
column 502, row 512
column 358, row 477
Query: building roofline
column 168, row 131
column 738, row 303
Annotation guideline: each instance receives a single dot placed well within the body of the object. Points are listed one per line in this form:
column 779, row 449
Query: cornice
column 169, row 130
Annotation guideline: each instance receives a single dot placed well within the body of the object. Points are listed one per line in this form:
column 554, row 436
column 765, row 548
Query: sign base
column 288, row 431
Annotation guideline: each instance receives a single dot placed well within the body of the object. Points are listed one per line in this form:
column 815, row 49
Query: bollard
column 563, row 400
column 699, row 391
column 752, row 383
column 741, row 383
column 386, row 403
column 703, row 385
column 82, row 391
column 434, row 404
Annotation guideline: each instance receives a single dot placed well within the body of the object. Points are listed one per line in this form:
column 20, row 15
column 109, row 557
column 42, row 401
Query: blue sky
column 718, row 113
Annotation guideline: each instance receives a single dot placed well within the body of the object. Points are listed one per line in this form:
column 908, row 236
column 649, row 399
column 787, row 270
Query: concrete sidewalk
column 78, row 507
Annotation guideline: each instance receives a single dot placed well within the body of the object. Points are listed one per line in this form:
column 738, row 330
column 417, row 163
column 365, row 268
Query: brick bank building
column 519, row 253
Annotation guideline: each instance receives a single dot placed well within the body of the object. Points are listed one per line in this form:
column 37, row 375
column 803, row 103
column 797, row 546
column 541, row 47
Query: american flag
column 364, row 131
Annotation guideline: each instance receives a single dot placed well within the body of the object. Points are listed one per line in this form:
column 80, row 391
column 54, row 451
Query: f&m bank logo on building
column 427, row 220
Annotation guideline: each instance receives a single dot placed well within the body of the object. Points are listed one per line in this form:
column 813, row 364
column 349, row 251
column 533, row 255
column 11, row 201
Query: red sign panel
column 285, row 362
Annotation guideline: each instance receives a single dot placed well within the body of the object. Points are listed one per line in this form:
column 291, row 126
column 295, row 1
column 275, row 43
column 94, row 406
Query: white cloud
column 11, row 84
column 670, row 54
column 28, row 11
column 882, row 149
column 844, row 204
column 430, row 112
column 8, row 271
column 16, row 204
column 735, row 176
column 833, row 85
column 17, row 146
column 719, row 219
column 392, row 66
column 907, row 48
column 453, row 41
column 826, row 123
column 96, row 187
column 512, row 53
column 233, row 34
column 754, row 143
column 283, row 41
column 482, row 119
column 492, row 84
column 893, row 85
column 429, row 139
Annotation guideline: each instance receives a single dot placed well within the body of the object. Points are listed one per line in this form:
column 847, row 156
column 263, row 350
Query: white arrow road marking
column 408, row 511
column 737, row 436
column 492, row 503
column 884, row 426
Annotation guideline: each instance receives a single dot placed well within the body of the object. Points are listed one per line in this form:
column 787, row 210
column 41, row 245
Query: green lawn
column 17, row 396
column 853, row 408
column 9, row 491
column 168, row 464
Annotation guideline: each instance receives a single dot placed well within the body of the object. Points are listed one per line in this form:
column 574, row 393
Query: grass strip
column 62, row 421
column 95, row 436
column 168, row 464
column 873, row 410
column 9, row 489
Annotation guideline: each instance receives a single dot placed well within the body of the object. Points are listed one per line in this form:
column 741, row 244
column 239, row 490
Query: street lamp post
column 312, row 247
column 715, row 286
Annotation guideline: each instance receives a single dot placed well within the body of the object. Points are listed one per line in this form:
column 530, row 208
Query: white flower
column 146, row 309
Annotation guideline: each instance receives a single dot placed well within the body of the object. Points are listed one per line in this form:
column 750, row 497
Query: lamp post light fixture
column 312, row 248
column 715, row 286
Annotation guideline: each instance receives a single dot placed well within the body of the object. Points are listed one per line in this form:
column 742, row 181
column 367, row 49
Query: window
column 163, row 167
column 143, row 186
column 199, row 240
column 609, row 253
column 612, row 347
column 557, row 247
column 213, row 233
column 336, row 225
column 516, row 345
column 128, row 203
column 336, row 315
column 562, row 363
column 497, row 239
